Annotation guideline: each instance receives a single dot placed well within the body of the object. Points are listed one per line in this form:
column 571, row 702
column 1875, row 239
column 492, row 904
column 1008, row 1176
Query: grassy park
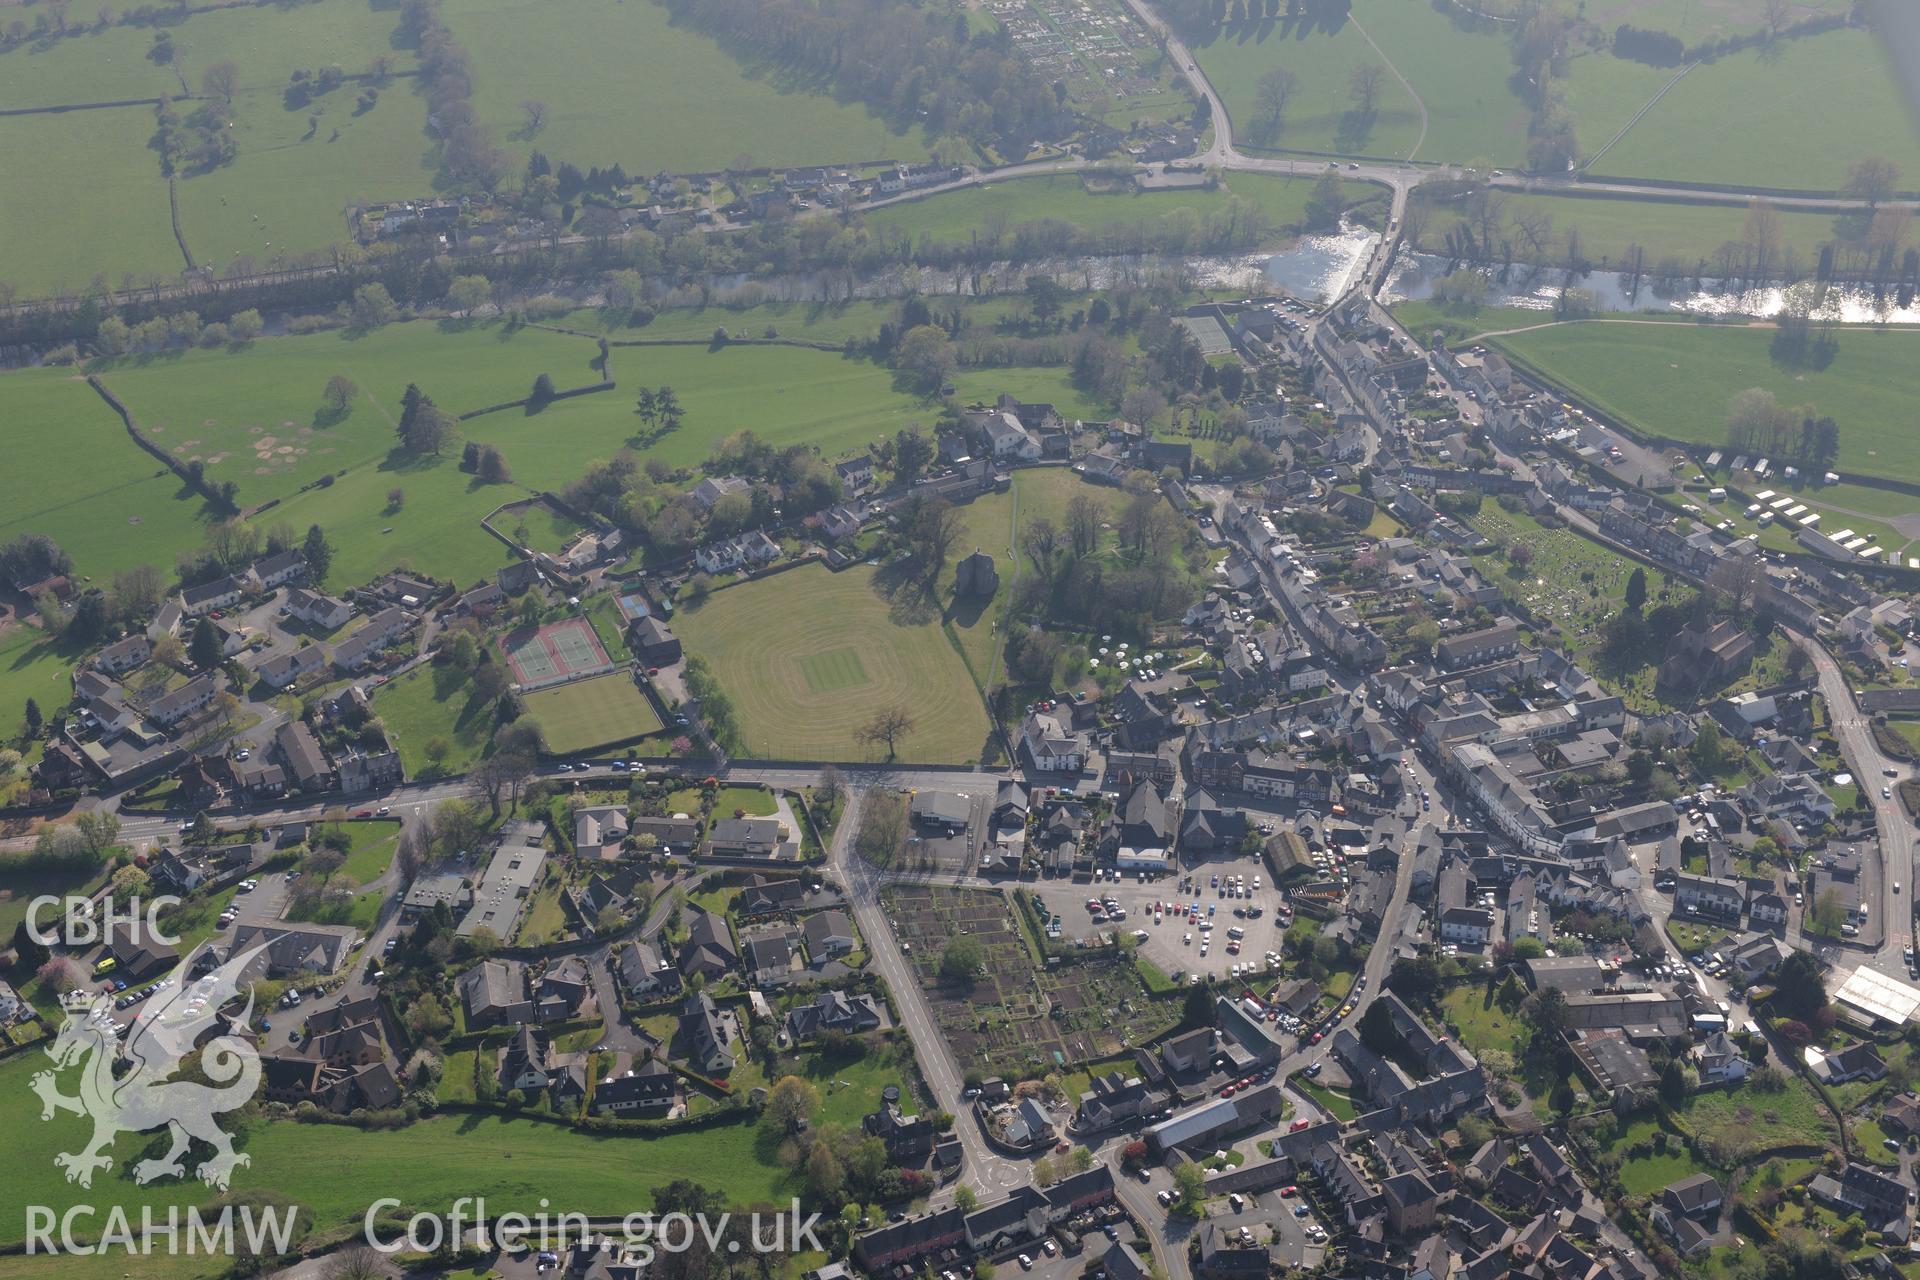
column 432, row 703
column 846, row 653
column 1675, row 380
column 592, row 713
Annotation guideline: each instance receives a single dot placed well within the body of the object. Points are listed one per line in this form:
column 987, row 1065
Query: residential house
column 709, row 948
column 271, row 571
column 1052, row 747
column 307, row 766
column 171, row 708
column 644, row 972
column 745, row 552
column 833, row 1011
column 204, row 599
column 650, row 1091
column 706, row 1036
column 1720, row 1059
column 1860, row 1061
column 828, row 933
column 526, row 1063
column 124, row 655
column 359, row 650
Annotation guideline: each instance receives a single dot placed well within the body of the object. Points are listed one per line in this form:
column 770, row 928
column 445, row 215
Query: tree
column 372, row 307
column 1326, row 202
column 396, row 498
column 337, row 399
column 467, row 294
column 1273, row 92
column 318, row 553
column 792, row 1103
column 33, row 718
column 961, row 958
column 912, row 452
column 437, row 749
column 1800, row 988
column 246, row 325
column 883, row 827
column 1363, row 86
column 888, row 725
column 542, row 391
column 493, row 468
column 1639, row 767
column 965, row 1200
column 1636, row 588
column 1084, row 517
column 136, row 593
column 61, row 974
column 1190, row 1187
column 1872, row 179
column 536, row 113
column 219, row 81
column 99, row 829
column 931, row 528
column 1829, row 913
column 924, row 357
column 207, row 648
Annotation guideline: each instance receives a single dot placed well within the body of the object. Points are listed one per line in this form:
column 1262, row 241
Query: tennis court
column 558, row 651
column 1206, row 331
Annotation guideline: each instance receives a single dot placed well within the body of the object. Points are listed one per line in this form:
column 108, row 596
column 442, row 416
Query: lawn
column 429, row 703
column 120, row 509
column 1675, row 380
column 1040, row 384
column 97, row 201
column 337, row 1171
column 592, row 713
column 1334, row 1102
column 1792, row 115
column 784, row 395
column 371, row 852
column 695, row 107
column 253, row 414
column 756, row 802
column 1321, row 116
column 959, row 215
column 19, row 887
column 815, row 613
column 1484, row 1025
column 1644, row 1175
column 31, row 666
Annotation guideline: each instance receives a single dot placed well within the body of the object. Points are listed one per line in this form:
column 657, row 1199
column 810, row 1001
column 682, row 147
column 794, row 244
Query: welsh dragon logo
column 167, row 1028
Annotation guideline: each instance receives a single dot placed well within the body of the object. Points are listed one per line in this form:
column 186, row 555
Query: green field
column 1794, row 115
column 100, row 206
column 1675, row 380
column 592, row 713
column 253, row 415
column 682, row 103
column 819, row 614
column 121, row 508
column 336, row 1171
column 1462, row 75
column 784, row 395
column 957, row 215
column 1321, row 116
